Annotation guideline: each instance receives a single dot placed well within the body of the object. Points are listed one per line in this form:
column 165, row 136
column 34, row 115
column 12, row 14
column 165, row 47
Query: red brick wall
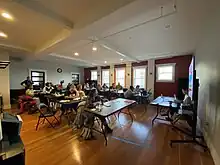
column 87, row 73
column 181, row 71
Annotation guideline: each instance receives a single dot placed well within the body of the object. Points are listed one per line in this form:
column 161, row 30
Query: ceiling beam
column 116, row 50
column 72, row 58
column 13, row 47
column 38, row 7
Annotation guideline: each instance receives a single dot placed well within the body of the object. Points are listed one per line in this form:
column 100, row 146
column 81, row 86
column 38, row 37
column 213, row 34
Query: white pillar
column 151, row 75
column 5, row 83
column 128, row 74
column 99, row 75
column 112, row 74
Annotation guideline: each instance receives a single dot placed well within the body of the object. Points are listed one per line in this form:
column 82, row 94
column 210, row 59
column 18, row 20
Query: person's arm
column 77, row 93
column 44, row 90
column 23, row 83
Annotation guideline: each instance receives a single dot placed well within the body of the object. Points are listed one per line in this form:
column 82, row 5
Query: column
column 151, row 75
column 5, row 84
column 112, row 74
column 128, row 77
column 99, row 75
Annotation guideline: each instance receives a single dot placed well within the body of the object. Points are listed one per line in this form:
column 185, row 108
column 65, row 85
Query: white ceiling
column 130, row 29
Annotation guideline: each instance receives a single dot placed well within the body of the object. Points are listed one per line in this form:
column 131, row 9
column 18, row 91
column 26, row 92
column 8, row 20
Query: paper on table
column 64, row 101
column 76, row 99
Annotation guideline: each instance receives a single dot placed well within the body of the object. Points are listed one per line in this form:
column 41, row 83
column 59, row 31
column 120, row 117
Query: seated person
column 129, row 93
column 48, row 88
column 105, row 86
column 73, row 92
column 60, row 86
column 99, row 87
column 26, row 100
column 30, row 91
column 68, row 86
column 113, row 86
column 119, row 87
column 137, row 89
column 86, row 86
column 187, row 100
column 80, row 91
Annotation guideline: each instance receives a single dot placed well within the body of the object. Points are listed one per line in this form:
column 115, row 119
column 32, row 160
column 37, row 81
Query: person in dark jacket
column 27, row 83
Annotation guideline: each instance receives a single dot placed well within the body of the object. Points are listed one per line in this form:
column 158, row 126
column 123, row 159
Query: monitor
column 191, row 78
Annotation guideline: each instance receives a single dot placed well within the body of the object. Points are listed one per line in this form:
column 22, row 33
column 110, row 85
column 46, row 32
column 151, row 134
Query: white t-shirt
column 187, row 100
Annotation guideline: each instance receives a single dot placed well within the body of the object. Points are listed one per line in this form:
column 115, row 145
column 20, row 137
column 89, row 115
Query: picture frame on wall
column 75, row 78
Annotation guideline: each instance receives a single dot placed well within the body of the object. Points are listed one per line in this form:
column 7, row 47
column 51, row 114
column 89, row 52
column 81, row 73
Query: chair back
column 125, row 89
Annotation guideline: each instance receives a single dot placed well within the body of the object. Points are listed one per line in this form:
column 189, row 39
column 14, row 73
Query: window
column 139, row 77
column 38, row 78
column 105, row 77
column 93, row 74
column 120, row 76
column 165, row 73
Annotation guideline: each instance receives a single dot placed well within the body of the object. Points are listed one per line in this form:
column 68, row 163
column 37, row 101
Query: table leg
column 130, row 115
column 155, row 115
column 104, row 134
column 105, row 129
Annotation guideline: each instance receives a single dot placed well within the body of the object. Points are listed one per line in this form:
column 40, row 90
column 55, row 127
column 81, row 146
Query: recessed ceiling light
column 3, row 35
column 76, row 54
column 105, row 62
column 121, row 59
column 7, row 16
column 94, row 48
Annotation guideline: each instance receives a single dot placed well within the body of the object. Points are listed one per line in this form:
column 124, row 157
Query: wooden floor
column 130, row 144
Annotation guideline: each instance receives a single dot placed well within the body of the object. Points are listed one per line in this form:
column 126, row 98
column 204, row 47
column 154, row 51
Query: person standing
column 27, row 83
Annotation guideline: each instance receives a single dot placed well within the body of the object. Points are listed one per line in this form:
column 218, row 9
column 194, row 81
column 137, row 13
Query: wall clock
column 59, row 70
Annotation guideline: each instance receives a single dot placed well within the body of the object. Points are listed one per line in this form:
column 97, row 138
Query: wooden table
column 110, row 108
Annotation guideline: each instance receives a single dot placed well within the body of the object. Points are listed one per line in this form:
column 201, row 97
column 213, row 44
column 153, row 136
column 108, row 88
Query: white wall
column 4, row 82
column 208, row 72
column 20, row 70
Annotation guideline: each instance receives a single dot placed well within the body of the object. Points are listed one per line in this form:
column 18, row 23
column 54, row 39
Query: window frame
column 145, row 77
column 91, row 74
column 121, row 68
column 102, row 76
column 174, row 72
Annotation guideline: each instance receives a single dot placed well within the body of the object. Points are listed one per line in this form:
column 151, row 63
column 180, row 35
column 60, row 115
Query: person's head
column 72, row 90
column 119, row 84
column 79, row 87
column 131, row 88
column 185, row 91
column 28, row 78
column 113, row 85
column 73, row 87
column 61, row 82
column 138, row 87
column 47, row 84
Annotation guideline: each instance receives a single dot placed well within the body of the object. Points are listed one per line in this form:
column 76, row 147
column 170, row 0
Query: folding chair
column 45, row 113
